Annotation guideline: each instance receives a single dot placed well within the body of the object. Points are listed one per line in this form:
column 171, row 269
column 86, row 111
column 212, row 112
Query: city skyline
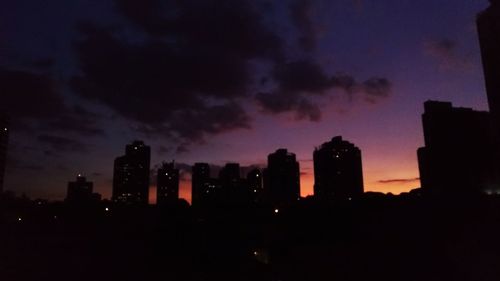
column 250, row 140
column 423, row 61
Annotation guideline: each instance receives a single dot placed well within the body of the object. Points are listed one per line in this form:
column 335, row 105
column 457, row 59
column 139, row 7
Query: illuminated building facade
column 167, row 184
column 131, row 175
column 338, row 172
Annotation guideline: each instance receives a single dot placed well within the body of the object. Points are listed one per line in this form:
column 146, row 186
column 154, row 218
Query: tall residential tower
column 459, row 153
column 167, row 184
column 488, row 25
column 282, row 178
column 338, row 172
column 131, row 175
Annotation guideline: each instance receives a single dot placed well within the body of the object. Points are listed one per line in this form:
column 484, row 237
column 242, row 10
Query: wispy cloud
column 393, row 181
column 446, row 53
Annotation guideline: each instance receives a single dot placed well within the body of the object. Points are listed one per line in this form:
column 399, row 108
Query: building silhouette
column 201, row 182
column 232, row 189
column 81, row 191
column 229, row 176
column 282, row 178
column 255, row 185
column 4, row 140
column 167, row 184
column 488, row 25
column 131, row 175
column 458, row 156
column 338, row 172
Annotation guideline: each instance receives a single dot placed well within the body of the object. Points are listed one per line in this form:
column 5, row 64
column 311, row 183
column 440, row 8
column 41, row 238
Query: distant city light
column 5, row 129
column 19, row 219
column 106, row 209
column 276, row 211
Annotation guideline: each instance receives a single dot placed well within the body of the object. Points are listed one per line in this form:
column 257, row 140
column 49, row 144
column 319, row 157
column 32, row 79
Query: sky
column 221, row 81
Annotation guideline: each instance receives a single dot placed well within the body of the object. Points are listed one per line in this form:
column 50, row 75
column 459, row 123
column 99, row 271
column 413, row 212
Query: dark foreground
column 374, row 238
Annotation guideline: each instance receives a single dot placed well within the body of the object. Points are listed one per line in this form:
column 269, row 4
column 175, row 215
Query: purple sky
column 228, row 81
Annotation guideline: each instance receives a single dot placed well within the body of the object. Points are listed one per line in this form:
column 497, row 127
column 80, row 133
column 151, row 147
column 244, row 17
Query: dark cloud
column 77, row 120
column 446, row 53
column 150, row 15
column 181, row 149
column 33, row 101
column 192, row 69
column 345, row 82
column 376, row 88
column 163, row 150
column 301, row 76
column 296, row 80
column 62, row 144
column 33, row 167
column 441, row 47
column 280, row 102
column 299, row 83
column 389, row 181
column 183, row 92
column 43, row 63
column 220, row 27
column 301, row 14
column 186, row 77
column 214, row 120
column 15, row 164
column 29, row 95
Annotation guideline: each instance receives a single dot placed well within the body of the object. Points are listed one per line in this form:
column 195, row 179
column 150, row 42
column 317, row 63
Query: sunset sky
column 222, row 81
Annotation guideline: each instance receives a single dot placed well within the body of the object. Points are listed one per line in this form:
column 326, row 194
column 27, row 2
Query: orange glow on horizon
column 373, row 182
